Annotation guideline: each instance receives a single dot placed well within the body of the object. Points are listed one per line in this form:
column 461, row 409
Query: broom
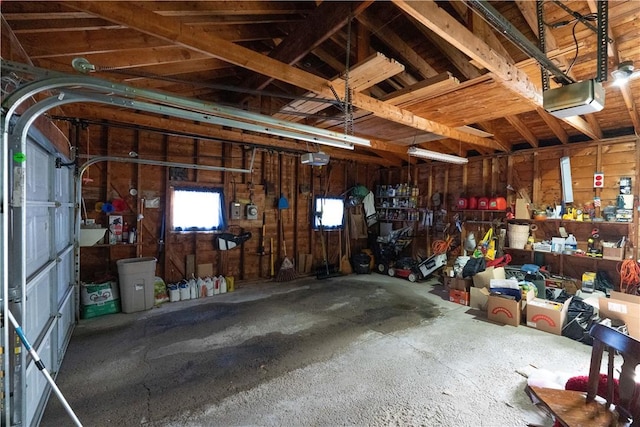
column 287, row 270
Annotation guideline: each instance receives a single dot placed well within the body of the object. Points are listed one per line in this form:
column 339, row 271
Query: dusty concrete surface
column 356, row 350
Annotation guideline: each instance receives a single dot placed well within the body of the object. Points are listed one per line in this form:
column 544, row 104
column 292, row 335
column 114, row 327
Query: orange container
column 498, row 203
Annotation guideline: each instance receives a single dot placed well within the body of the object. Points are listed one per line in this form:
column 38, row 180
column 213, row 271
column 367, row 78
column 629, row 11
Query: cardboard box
column 613, row 253
column 483, row 279
column 459, row 297
column 548, row 316
column 622, row 307
column 460, row 284
column 522, row 209
column 479, row 298
column 506, row 310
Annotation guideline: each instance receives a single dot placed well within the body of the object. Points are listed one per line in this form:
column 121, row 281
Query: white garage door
column 45, row 265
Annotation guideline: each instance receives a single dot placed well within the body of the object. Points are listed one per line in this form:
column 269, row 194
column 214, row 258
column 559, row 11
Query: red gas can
column 473, row 202
column 462, row 203
column 483, row 203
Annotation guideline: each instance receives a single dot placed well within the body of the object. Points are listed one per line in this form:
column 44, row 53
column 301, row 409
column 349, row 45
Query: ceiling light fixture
column 624, row 73
column 434, row 155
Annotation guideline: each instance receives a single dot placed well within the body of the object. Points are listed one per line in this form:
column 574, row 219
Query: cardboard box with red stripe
column 548, row 316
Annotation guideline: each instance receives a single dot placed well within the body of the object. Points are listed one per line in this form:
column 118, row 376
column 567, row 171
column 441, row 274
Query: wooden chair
column 573, row 408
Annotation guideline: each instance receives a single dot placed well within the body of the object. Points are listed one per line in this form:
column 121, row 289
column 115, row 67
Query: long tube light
column 434, row 155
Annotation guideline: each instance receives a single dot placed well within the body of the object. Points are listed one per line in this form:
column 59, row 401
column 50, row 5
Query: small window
column 197, row 209
column 328, row 213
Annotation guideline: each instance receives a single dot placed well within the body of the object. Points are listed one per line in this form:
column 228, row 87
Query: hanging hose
column 43, row 369
column 441, row 246
column 629, row 276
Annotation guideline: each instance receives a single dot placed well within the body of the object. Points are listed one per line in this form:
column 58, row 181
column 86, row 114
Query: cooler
column 137, row 280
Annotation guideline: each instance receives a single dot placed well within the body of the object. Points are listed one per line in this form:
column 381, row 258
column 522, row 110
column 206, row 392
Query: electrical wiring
column 629, row 276
column 578, row 18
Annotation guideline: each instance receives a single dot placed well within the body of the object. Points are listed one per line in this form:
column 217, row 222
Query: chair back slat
column 629, row 348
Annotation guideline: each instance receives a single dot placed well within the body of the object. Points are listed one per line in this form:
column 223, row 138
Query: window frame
column 203, row 189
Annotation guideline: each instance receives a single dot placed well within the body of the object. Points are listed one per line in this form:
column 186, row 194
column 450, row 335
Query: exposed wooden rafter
column 162, row 27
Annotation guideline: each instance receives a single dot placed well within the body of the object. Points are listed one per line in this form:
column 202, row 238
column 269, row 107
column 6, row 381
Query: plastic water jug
column 174, row 293
column 193, row 290
column 208, row 283
column 223, row 285
column 185, row 293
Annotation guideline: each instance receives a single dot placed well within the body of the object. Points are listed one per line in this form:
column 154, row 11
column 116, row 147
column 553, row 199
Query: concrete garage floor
column 355, row 350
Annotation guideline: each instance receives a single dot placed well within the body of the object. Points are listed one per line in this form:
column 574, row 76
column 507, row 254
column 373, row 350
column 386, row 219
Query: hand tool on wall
column 273, row 273
column 262, row 234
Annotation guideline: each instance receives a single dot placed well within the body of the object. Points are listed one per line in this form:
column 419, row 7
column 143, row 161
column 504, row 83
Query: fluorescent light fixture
column 434, row 155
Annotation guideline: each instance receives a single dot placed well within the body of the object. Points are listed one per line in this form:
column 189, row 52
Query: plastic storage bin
column 137, row 280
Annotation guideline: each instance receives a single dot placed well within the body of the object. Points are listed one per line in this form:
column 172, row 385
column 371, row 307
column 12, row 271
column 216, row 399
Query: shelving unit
column 574, row 265
column 399, row 206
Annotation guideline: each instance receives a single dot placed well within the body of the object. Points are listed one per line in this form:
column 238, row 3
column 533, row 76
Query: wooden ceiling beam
column 321, row 24
column 495, row 130
column 631, row 107
column 143, row 20
column 395, row 42
column 363, row 75
column 11, row 47
column 481, row 29
column 423, row 90
column 554, row 125
column 53, row 25
column 83, row 42
column 134, row 58
column 523, row 130
column 227, row 8
column 429, row 14
column 581, row 124
column 595, row 126
column 459, row 60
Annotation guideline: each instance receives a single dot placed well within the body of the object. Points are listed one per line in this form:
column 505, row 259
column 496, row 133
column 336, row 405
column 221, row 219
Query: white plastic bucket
column 518, row 235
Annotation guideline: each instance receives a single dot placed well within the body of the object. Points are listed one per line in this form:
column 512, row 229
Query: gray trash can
column 137, row 279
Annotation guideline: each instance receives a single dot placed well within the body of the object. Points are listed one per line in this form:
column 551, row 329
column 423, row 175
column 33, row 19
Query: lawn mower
column 414, row 270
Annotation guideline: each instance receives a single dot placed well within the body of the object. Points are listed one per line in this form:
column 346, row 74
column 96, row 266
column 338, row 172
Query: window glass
column 197, row 209
column 329, row 212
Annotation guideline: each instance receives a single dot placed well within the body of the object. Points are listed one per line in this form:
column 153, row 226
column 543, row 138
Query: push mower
column 414, row 270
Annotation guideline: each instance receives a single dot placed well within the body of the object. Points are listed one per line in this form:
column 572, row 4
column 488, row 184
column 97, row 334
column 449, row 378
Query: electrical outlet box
column 235, row 212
